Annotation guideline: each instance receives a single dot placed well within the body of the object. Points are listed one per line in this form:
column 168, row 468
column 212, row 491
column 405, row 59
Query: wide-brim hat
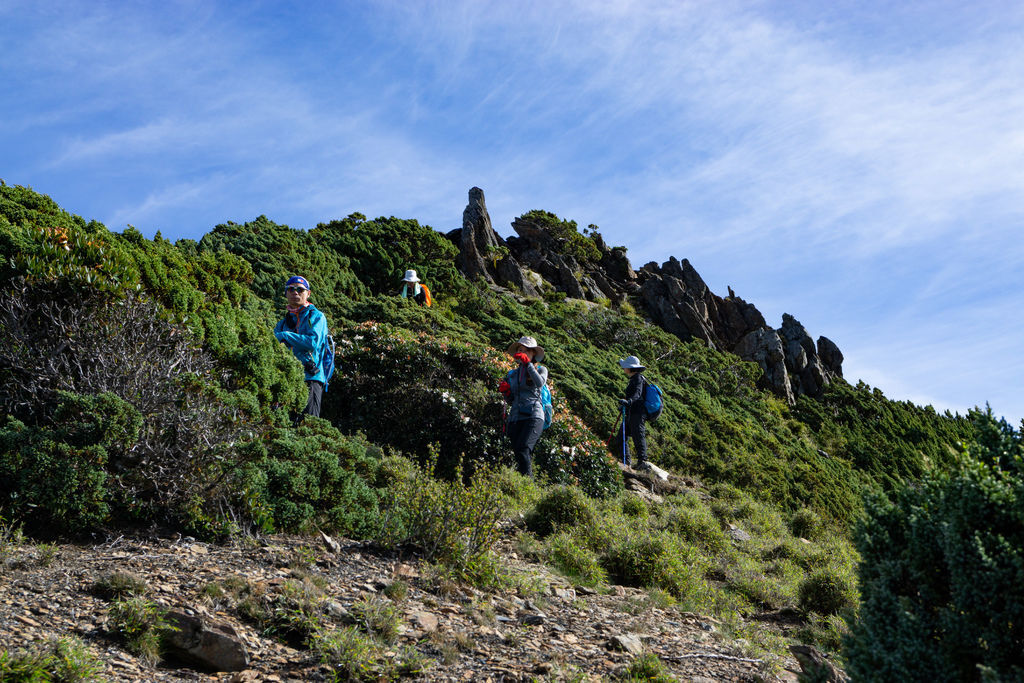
column 410, row 276
column 530, row 343
column 631, row 363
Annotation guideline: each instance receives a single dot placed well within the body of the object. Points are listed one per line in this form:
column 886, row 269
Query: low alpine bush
column 656, row 560
column 561, row 507
column 827, row 591
column 55, row 477
column 453, row 523
column 141, row 623
column 309, row 476
column 61, row 660
column 941, row 570
column 805, row 523
column 568, row 554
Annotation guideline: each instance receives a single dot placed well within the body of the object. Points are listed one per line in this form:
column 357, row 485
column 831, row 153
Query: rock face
column 680, row 302
column 211, row 645
column 817, row 667
column 478, row 240
column 764, row 346
column 482, row 253
column 674, row 296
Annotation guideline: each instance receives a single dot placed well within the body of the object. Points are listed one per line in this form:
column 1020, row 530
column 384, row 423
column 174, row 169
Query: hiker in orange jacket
column 415, row 290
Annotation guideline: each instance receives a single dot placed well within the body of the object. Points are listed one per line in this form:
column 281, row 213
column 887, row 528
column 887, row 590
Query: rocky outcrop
column 681, row 302
column 764, row 347
column 830, row 355
column 816, row 666
column 477, row 241
column 206, row 643
column 542, row 256
column 805, row 369
column 483, row 253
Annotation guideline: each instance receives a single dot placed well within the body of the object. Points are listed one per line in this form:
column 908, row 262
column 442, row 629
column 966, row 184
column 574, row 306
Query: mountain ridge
column 547, row 254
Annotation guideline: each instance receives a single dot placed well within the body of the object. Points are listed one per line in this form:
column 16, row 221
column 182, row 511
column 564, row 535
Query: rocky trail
column 545, row 630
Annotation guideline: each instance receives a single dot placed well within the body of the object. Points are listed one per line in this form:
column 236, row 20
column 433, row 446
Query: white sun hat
column 410, row 276
column 631, row 363
column 530, row 343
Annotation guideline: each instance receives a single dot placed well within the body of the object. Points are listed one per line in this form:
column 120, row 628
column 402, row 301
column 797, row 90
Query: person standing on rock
column 635, row 412
column 523, row 389
column 303, row 329
column 415, row 290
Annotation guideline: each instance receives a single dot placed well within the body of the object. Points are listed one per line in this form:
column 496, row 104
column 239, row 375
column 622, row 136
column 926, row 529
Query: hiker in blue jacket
column 522, row 389
column 304, row 330
column 635, row 412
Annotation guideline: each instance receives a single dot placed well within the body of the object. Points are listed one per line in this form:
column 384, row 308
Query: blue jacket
column 306, row 336
column 526, row 383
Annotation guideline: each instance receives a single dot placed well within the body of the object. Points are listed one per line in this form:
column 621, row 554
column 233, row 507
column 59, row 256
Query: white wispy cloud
column 850, row 182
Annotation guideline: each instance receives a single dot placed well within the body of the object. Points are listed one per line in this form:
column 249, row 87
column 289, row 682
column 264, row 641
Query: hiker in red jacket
column 523, row 389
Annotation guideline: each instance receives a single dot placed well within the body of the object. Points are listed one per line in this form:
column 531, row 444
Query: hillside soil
column 552, row 632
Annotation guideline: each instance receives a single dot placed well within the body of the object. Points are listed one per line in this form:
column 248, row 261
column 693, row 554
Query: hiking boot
column 643, row 466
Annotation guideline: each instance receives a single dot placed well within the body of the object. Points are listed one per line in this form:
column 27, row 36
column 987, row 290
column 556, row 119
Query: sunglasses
column 297, row 290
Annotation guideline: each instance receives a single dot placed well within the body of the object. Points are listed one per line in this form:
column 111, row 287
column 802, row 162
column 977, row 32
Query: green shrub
column 647, row 667
column 697, row 526
column 378, row 617
column 634, row 506
column 454, row 524
column 561, row 507
column 349, row 654
column 750, row 579
column 521, row 492
column 55, row 477
column 827, row 591
column 826, row 632
column 60, row 660
column 397, row 590
column 941, row 568
column 656, row 560
column 565, row 552
column 117, row 585
column 63, row 342
column 805, row 523
column 297, row 612
column 310, row 476
column 141, row 622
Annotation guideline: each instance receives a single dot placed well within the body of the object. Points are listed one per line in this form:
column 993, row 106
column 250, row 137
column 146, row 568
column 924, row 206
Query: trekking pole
column 615, row 431
column 624, row 436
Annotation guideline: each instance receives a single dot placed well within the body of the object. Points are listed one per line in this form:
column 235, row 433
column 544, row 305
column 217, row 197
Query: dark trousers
column 316, row 393
column 636, row 429
column 524, row 435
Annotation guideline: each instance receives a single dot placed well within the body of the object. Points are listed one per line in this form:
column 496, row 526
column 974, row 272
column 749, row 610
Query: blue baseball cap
column 298, row 280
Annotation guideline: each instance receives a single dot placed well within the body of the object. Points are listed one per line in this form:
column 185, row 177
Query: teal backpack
column 545, row 403
column 327, row 360
column 653, row 402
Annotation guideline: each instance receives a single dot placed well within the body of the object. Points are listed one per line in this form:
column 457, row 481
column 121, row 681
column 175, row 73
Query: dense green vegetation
column 942, row 567
column 124, row 355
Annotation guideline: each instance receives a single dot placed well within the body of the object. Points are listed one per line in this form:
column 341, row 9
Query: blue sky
column 859, row 165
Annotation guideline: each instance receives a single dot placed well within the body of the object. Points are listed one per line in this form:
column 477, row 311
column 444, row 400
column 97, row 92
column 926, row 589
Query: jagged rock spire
column 674, row 296
column 478, row 239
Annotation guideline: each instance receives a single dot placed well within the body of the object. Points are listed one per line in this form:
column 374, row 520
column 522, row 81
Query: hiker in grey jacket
column 636, row 413
column 522, row 389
